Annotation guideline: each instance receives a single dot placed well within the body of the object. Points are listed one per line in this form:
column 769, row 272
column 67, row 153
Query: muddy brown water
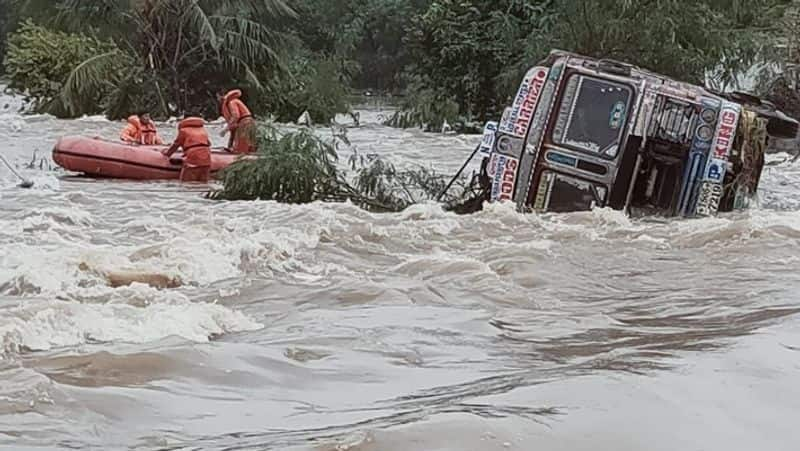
column 324, row 327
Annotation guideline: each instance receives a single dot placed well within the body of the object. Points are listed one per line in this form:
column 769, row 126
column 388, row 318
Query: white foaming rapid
column 413, row 327
column 77, row 246
column 38, row 325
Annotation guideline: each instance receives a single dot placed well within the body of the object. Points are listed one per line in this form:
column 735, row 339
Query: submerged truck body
column 584, row 133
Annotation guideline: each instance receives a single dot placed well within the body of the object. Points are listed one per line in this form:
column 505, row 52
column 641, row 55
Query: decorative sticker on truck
column 711, row 191
column 489, row 133
column 519, row 117
column 503, row 171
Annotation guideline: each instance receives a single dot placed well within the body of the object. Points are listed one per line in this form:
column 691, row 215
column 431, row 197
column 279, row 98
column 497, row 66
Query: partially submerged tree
column 301, row 167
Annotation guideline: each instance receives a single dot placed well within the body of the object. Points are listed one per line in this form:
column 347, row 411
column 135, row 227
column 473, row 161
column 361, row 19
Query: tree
column 179, row 53
column 6, row 20
column 381, row 52
column 779, row 75
column 477, row 50
column 459, row 48
column 40, row 60
column 685, row 40
column 364, row 37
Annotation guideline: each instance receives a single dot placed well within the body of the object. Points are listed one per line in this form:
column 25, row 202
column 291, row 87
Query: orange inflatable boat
column 115, row 159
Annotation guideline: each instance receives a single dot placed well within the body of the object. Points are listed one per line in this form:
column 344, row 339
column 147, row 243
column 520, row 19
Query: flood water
column 325, row 327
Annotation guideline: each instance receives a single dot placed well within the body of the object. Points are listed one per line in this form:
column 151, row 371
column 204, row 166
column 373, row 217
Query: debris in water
column 117, row 279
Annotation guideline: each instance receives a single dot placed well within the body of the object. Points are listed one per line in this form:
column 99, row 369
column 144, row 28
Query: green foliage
column 300, row 167
column 309, row 84
column 476, row 51
column 39, row 64
column 364, row 37
column 460, row 47
column 779, row 75
column 685, row 40
column 178, row 52
column 427, row 109
column 6, row 20
column 135, row 89
column 460, row 60
column 294, row 168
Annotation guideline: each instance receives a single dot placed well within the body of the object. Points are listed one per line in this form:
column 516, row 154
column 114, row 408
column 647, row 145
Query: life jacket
column 193, row 139
column 234, row 110
column 149, row 134
column 132, row 131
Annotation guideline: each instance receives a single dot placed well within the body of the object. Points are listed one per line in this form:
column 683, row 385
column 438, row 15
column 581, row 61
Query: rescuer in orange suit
column 240, row 123
column 141, row 130
column 193, row 139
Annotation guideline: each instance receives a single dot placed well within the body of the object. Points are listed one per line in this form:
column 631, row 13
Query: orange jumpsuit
column 132, row 131
column 149, row 135
column 137, row 133
column 240, row 123
column 193, row 139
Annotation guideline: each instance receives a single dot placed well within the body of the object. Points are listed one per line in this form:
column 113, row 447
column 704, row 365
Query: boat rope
column 458, row 174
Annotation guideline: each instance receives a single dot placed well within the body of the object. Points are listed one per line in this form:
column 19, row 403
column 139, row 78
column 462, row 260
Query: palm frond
column 274, row 8
column 249, row 41
column 110, row 17
column 89, row 77
column 240, row 66
column 201, row 22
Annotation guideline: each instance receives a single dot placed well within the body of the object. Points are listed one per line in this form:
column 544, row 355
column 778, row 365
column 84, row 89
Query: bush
column 39, row 61
column 300, row 168
column 138, row 89
column 313, row 85
column 427, row 109
column 294, row 168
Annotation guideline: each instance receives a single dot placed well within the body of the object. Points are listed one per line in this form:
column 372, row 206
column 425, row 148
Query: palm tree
column 178, row 53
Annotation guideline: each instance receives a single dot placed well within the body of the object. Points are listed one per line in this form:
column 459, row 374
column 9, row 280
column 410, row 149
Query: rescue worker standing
column 240, row 123
column 141, row 130
column 193, row 139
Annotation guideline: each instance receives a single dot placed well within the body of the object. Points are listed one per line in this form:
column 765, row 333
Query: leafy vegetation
column 778, row 76
column 311, row 84
column 426, row 108
column 364, row 37
column 300, row 167
column 6, row 20
column 455, row 61
column 177, row 55
column 476, row 51
column 40, row 61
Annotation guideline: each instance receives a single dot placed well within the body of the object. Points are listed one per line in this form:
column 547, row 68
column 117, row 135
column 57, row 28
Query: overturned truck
column 585, row 133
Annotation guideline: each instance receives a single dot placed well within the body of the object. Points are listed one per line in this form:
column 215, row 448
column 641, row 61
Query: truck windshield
column 592, row 115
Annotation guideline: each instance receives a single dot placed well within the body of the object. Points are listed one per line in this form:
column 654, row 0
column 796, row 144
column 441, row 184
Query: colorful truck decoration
column 584, row 133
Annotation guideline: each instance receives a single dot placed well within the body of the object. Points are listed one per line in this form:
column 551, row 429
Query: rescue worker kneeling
column 240, row 123
column 193, row 139
column 141, row 130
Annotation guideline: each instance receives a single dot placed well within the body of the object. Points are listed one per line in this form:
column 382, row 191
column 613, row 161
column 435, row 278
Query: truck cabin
column 583, row 133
